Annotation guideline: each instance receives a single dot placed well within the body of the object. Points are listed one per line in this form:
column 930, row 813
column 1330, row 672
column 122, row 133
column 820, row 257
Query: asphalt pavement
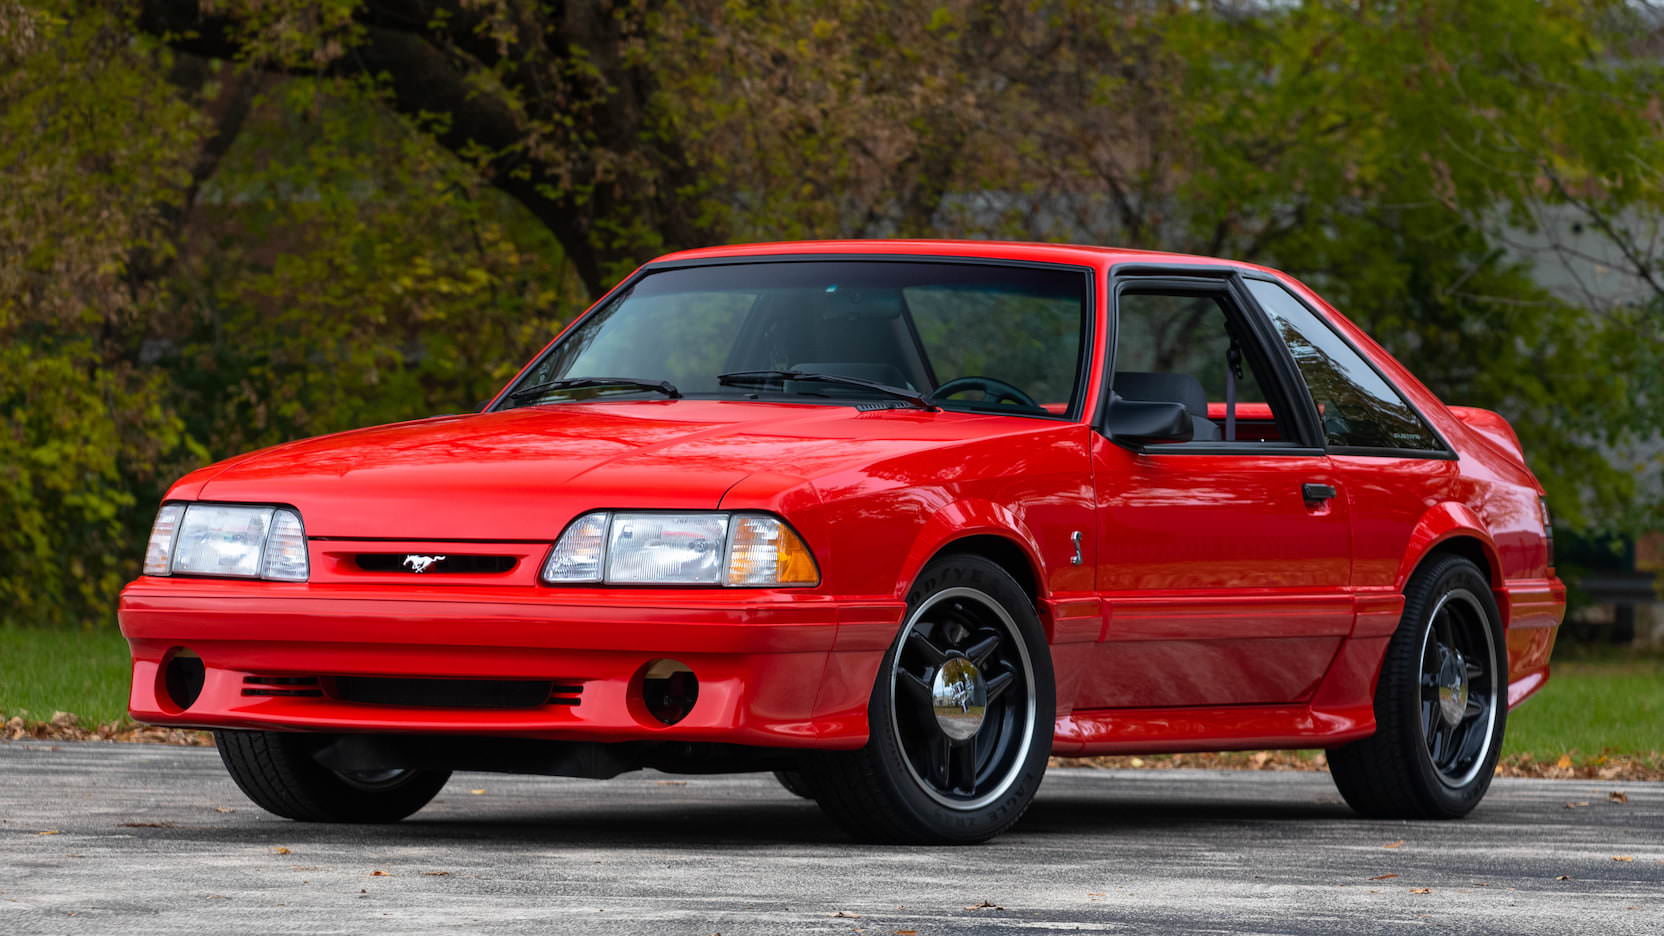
column 140, row 839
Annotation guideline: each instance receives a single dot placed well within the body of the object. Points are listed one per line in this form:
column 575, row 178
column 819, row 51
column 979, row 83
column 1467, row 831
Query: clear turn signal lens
column 158, row 553
column 581, row 552
column 286, row 559
column 764, row 551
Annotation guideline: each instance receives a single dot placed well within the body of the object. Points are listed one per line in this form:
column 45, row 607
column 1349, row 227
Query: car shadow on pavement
column 704, row 822
column 1108, row 814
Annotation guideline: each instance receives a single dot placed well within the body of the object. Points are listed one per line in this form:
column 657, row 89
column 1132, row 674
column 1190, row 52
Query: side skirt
column 1220, row 728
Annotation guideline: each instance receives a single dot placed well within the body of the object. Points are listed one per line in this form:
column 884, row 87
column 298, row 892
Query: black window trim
column 1225, row 281
column 1446, row 453
column 1085, row 357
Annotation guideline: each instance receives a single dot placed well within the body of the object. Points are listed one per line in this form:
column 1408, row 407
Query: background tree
column 230, row 224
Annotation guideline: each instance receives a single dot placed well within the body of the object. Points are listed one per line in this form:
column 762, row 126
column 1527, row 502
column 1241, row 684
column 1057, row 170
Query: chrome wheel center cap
column 1453, row 689
column 959, row 697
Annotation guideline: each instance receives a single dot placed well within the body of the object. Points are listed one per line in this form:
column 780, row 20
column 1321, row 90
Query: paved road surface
column 157, row 840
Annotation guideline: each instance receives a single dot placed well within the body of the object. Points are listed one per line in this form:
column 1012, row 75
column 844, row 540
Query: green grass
column 46, row 671
column 1590, row 708
column 1613, row 705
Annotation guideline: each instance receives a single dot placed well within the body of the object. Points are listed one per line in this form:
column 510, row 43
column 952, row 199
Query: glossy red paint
column 1210, row 606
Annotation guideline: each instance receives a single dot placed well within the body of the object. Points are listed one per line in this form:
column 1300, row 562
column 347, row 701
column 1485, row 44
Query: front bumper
column 774, row 668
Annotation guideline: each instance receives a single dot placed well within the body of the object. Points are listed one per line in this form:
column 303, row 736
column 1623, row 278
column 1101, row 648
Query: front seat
column 1153, row 387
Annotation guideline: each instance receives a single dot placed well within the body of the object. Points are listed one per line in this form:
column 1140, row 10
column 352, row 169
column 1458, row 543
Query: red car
column 894, row 519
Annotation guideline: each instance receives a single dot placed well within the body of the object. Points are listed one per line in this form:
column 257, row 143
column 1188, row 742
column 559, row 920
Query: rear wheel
column 277, row 771
column 1440, row 704
column 961, row 717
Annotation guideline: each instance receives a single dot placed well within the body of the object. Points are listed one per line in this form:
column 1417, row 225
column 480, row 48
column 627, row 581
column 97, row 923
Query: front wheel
column 961, row 717
column 1440, row 705
column 277, row 771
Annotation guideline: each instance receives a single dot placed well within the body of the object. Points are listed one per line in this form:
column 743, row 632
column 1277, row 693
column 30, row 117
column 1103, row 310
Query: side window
column 1185, row 348
column 1358, row 407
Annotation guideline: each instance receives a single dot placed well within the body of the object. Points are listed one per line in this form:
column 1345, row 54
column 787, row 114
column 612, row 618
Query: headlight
column 239, row 542
column 681, row 548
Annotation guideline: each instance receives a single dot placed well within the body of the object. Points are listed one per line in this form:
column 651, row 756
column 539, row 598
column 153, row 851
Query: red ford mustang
column 894, row 519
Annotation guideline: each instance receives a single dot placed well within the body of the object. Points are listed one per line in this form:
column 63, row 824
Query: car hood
column 525, row 473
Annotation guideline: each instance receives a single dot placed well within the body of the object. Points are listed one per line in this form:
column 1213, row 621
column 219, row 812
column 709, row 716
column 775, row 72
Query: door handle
column 1317, row 493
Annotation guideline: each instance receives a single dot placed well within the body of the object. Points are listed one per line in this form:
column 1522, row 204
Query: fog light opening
column 182, row 677
column 668, row 690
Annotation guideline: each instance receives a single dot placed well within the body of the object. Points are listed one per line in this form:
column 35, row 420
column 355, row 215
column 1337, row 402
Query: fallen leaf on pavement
column 1397, row 844
column 907, row 933
column 847, row 916
column 51, row 832
column 1623, row 857
column 671, row 782
column 1618, row 796
column 985, row 905
column 1578, row 805
column 280, row 850
column 223, row 809
column 1383, row 877
column 1421, row 890
column 477, row 792
column 1096, row 894
column 436, row 873
column 1563, row 877
column 379, row 874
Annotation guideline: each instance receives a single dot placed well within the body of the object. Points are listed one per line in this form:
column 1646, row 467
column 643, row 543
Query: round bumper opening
column 668, row 690
column 182, row 676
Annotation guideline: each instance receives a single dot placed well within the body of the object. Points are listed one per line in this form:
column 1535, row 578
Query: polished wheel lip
column 1027, row 727
column 1483, row 622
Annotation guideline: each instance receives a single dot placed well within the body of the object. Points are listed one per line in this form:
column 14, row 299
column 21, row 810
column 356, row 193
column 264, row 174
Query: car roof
column 1078, row 254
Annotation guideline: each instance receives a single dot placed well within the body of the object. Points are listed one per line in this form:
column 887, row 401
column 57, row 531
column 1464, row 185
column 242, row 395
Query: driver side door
column 1224, row 560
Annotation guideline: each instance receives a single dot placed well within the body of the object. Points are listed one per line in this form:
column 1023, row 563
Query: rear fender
column 1440, row 524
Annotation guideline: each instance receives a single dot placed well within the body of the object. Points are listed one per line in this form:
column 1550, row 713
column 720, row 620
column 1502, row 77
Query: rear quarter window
column 1359, row 409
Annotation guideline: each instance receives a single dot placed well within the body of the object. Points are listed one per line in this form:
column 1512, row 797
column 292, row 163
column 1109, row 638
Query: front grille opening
column 454, row 693
column 434, row 563
column 304, row 687
column 565, row 693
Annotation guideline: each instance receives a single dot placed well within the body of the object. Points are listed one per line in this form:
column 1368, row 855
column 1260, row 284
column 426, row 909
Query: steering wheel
column 993, row 390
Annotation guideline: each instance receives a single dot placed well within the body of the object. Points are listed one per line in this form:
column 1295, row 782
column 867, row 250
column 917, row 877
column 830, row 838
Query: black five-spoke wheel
column 1458, row 686
column 963, row 697
column 1440, row 705
column 961, row 716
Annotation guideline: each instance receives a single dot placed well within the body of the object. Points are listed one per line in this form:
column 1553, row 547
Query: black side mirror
column 1147, row 421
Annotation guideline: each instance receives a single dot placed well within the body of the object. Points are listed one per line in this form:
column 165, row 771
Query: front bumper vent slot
column 453, row 693
column 305, row 687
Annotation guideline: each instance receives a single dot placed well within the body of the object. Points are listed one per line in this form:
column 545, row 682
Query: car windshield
column 958, row 336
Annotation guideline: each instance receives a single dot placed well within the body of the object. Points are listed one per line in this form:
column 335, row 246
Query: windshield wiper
column 764, row 376
column 578, row 383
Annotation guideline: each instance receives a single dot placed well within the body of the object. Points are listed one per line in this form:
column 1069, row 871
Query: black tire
column 984, row 762
column 1420, row 764
column 794, row 783
column 276, row 770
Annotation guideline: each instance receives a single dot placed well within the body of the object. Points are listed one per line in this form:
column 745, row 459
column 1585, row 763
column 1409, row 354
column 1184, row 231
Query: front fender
column 966, row 518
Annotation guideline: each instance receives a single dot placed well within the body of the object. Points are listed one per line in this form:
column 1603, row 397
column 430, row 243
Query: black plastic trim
column 1225, row 448
column 1367, row 452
